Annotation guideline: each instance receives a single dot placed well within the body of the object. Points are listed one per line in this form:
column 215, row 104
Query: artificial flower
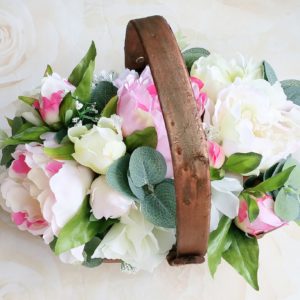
column 265, row 221
column 98, row 147
column 35, row 193
column 139, row 107
column 53, row 89
column 215, row 154
column 136, row 241
column 217, row 72
column 256, row 116
column 107, row 202
column 224, row 199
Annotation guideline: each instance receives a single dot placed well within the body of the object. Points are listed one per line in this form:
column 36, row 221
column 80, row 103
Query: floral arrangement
column 88, row 167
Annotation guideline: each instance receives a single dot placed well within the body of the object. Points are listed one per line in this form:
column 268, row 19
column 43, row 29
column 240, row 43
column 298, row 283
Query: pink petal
column 19, row 165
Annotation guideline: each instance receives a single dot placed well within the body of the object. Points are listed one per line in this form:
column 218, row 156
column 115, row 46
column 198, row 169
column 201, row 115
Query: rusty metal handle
column 151, row 41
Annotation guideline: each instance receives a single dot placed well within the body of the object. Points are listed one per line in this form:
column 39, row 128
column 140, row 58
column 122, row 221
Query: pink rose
column 53, row 89
column 35, row 193
column 139, row 107
column 266, row 220
column 215, row 154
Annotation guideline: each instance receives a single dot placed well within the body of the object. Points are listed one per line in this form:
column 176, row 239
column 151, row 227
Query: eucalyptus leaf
column 243, row 255
column 103, row 93
column 116, row 176
column 84, row 88
column 287, row 205
column 216, row 244
column 147, row 166
column 294, row 178
column 191, row 55
column 139, row 192
column 88, row 252
column 145, row 137
column 159, row 207
column 269, row 73
column 274, row 182
column 110, row 108
column 292, row 90
column 63, row 152
column 79, row 230
column 79, row 71
column 242, row 163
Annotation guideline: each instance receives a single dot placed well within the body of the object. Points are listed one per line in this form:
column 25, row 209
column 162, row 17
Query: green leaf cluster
column 80, row 230
column 142, row 176
column 240, row 251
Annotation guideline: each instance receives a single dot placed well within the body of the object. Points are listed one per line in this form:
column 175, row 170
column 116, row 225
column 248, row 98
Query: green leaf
column 79, row 230
column 67, row 104
column 48, row 71
column 243, row 255
column 147, row 166
column 61, row 134
column 191, row 55
column 145, row 137
column 216, row 174
column 139, row 192
column 269, row 73
column 242, row 163
column 159, row 207
column 116, row 176
column 16, row 125
column 292, row 90
column 287, row 205
column 273, row 183
column 293, row 180
column 103, row 92
column 110, row 108
column 88, row 252
column 84, row 88
column 216, row 244
column 28, row 100
column 6, row 158
column 63, row 152
column 79, row 71
column 253, row 209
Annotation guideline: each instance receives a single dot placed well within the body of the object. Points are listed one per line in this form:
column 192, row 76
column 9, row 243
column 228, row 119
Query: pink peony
column 266, row 220
column 215, row 154
column 53, row 89
column 35, row 193
column 139, row 107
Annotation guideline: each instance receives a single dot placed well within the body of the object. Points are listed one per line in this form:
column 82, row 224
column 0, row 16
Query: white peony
column 255, row 116
column 137, row 242
column 225, row 201
column 217, row 73
column 99, row 147
column 107, row 202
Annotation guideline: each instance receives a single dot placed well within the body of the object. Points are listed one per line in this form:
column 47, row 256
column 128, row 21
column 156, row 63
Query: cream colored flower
column 217, row 73
column 100, row 146
column 137, row 242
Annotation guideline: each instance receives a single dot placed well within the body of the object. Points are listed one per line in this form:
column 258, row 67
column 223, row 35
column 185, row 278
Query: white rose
column 225, row 201
column 100, row 146
column 106, row 202
column 29, row 42
column 137, row 242
column 217, row 73
column 255, row 116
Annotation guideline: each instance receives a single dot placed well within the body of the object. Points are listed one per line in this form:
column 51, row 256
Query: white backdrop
column 34, row 33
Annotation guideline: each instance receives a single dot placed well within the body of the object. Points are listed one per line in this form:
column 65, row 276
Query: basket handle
column 151, row 41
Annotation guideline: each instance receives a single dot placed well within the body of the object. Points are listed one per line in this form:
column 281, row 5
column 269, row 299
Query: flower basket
column 181, row 155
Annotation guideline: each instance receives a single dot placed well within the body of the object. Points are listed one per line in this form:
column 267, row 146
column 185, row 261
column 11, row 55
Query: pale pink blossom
column 139, row 107
column 215, row 154
column 265, row 221
column 53, row 89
